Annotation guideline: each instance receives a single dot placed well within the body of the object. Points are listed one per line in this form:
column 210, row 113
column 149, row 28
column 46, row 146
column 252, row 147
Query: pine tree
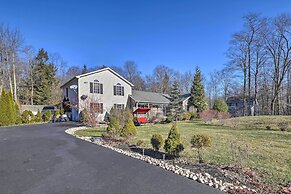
column 197, row 99
column 114, row 126
column 8, row 111
column 175, row 106
column 173, row 143
column 220, row 105
column 44, row 75
column 129, row 128
column 38, row 116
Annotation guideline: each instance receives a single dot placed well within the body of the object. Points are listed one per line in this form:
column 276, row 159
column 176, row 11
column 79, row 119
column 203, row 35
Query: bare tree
column 132, row 74
column 277, row 41
column 186, row 80
column 161, row 79
column 238, row 60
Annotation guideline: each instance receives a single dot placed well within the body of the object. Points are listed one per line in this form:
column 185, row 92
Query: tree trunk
column 256, row 92
column 244, row 93
column 14, row 77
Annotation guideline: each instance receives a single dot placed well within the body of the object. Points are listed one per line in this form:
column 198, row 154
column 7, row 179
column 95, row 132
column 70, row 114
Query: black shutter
column 91, row 87
column 101, row 88
column 122, row 91
column 114, row 90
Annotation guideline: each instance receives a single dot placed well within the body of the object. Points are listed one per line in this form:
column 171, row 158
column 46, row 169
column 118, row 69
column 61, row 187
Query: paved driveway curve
column 44, row 159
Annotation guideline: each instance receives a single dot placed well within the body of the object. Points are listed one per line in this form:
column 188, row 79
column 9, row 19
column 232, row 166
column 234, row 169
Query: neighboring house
column 101, row 90
column 184, row 100
column 236, row 104
column 105, row 89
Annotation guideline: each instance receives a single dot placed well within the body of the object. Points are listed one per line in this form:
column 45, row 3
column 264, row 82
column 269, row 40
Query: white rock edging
column 204, row 178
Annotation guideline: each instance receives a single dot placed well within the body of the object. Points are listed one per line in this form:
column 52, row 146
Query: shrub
column 47, row 116
column 27, row 116
column 113, row 126
column 129, row 128
column 208, row 115
column 220, row 105
column 186, row 116
column 62, row 111
column 84, row 116
column 283, row 126
column 140, row 142
column 56, row 113
column 37, row 116
column 194, row 115
column 172, row 143
column 157, row 141
column 199, row 142
column 169, row 119
column 223, row 115
column 18, row 115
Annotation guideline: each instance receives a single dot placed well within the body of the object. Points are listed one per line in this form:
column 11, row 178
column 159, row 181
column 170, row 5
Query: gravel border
column 203, row 178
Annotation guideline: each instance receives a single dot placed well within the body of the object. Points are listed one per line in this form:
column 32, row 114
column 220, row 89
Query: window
column 96, row 107
column 118, row 90
column 96, row 87
column 118, row 106
column 67, row 92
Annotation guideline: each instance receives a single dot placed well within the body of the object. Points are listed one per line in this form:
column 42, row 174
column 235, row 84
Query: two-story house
column 105, row 89
column 100, row 90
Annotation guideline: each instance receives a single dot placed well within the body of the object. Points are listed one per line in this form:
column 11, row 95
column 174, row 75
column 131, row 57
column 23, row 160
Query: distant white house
column 105, row 89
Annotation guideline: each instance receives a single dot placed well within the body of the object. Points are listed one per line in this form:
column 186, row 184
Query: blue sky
column 178, row 34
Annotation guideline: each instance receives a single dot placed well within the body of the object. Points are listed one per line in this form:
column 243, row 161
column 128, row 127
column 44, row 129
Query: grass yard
column 97, row 132
column 269, row 150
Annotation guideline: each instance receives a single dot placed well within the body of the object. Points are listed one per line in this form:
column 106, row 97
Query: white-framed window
column 96, row 87
column 96, row 107
column 119, row 106
column 118, row 90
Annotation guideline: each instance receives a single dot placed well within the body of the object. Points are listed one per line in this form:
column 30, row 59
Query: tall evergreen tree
column 197, row 99
column 175, row 106
column 45, row 78
column 8, row 112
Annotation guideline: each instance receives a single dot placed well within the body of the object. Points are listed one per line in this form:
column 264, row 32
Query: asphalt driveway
column 44, row 159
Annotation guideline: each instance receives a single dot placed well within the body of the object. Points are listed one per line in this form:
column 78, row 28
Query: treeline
column 31, row 77
column 258, row 69
column 259, row 66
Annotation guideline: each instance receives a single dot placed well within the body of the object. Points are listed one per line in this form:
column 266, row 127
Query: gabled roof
column 185, row 97
column 98, row 71
column 149, row 97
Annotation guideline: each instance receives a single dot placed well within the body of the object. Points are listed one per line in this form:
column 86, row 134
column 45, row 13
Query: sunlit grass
column 269, row 150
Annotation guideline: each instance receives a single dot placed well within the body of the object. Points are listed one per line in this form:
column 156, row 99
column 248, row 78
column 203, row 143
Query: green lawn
column 269, row 151
column 97, row 132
